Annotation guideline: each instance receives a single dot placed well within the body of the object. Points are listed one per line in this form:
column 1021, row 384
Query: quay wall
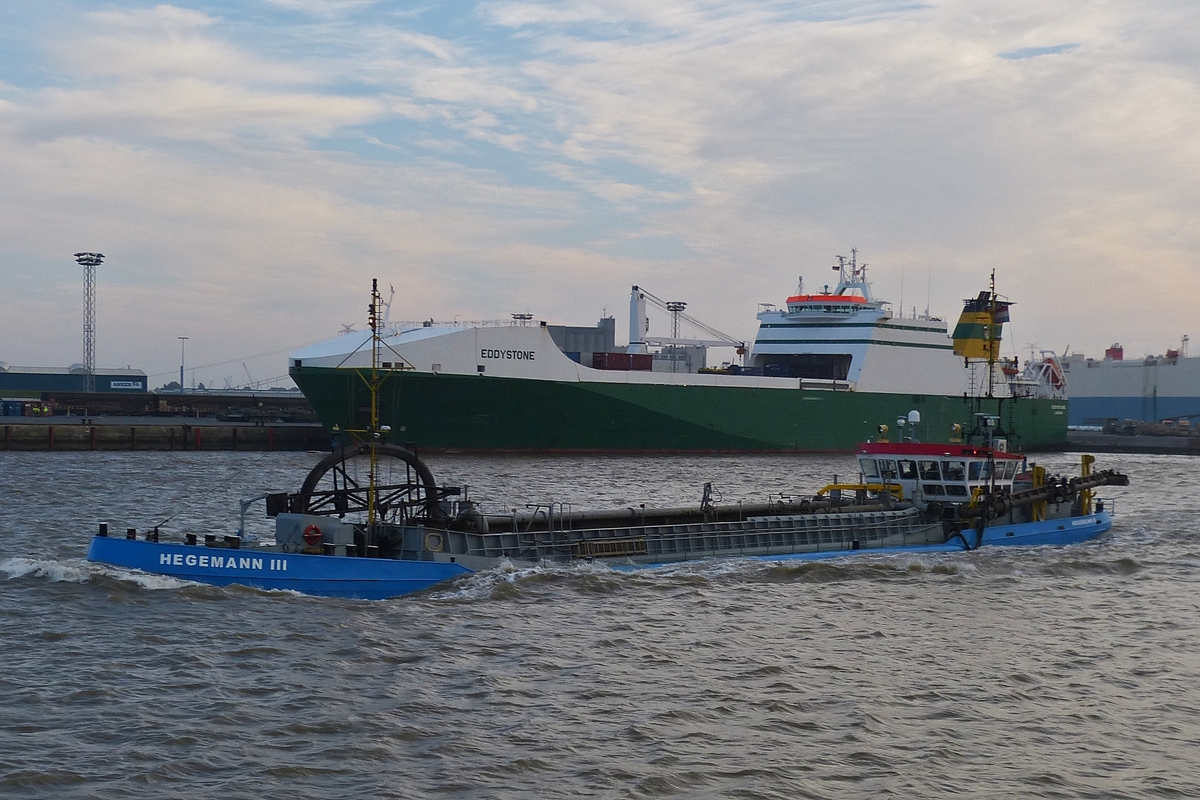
column 76, row 437
column 1096, row 442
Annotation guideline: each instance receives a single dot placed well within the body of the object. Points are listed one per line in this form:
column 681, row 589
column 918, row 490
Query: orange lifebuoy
column 312, row 535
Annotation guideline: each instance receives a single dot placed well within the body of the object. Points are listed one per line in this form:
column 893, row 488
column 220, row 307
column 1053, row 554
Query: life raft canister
column 312, row 536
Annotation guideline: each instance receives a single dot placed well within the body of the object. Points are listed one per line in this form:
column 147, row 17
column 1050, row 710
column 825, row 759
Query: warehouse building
column 31, row 382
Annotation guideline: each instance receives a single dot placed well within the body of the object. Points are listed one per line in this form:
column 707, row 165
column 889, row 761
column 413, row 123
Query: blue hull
column 381, row 578
column 329, row 576
column 1072, row 530
column 1085, row 410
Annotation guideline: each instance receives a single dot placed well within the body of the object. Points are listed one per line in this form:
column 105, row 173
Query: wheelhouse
column 826, row 303
column 935, row 472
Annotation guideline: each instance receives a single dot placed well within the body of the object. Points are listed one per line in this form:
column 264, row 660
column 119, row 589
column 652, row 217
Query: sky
column 248, row 167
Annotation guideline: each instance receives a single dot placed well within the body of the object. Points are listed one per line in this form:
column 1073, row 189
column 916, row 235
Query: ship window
column 820, row 366
column 978, row 471
column 929, row 471
column 954, row 470
column 908, row 470
column 868, row 467
column 933, row 488
column 961, row 491
column 1010, row 470
column 887, row 468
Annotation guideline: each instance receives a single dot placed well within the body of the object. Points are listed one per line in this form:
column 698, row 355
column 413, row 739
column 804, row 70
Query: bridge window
column 929, row 470
column 954, row 470
column 887, row 468
column 819, row 366
column 1010, row 470
column 980, row 470
column 868, row 467
column 908, row 470
column 960, row 491
column 932, row 489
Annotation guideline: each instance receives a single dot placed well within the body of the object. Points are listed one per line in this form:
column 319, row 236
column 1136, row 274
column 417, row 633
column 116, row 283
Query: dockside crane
column 639, row 324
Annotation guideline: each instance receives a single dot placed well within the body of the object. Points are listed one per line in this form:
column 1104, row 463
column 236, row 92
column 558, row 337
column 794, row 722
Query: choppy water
column 1046, row 672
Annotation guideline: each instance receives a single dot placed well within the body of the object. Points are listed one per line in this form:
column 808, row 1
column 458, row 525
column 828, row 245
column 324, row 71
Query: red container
column 622, row 361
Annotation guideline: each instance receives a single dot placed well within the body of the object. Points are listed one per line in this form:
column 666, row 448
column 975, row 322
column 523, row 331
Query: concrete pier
column 1097, row 442
column 102, row 433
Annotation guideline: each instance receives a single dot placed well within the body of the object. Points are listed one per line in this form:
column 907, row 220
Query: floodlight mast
column 89, row 262
column 182, row 350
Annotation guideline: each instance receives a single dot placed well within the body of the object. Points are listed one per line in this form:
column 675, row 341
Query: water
column 1042, row 672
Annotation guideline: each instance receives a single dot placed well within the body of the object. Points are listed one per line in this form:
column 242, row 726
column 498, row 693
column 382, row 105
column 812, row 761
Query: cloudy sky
column 248, row 166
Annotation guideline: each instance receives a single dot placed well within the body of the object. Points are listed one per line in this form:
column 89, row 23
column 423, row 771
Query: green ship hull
column 488, row 413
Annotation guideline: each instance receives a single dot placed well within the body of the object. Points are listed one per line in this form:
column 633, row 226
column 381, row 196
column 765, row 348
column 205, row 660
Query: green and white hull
column 496, row 413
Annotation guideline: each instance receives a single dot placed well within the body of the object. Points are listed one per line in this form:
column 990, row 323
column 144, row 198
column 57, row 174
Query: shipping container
column 623, row 361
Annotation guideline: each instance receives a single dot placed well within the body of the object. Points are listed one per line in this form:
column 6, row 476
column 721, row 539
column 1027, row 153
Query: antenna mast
column 992, row 338
column 375, row 322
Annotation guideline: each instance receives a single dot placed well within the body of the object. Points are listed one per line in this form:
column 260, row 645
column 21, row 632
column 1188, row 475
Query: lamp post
column 182, row 345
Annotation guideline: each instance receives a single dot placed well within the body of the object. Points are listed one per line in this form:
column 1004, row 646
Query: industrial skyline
column 248, row 168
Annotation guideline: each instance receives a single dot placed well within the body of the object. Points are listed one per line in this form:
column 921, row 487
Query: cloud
column 325, row 8
column 1034, row 52
column 241, row 166
column 164, row 42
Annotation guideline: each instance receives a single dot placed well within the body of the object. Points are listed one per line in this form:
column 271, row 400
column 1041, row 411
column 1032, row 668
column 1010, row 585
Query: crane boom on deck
column 639, row 338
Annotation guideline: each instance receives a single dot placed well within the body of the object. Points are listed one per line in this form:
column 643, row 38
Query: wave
column 510, row 581
column 84, row 572
column 55, row 571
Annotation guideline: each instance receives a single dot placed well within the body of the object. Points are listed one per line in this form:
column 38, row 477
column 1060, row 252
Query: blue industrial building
column 31, row 382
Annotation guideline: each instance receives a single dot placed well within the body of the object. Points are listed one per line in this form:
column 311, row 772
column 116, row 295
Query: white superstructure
column 844, row 333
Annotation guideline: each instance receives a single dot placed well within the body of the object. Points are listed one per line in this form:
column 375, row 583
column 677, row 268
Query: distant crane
column 251, row 385
column 639, row 325
column 387, row 307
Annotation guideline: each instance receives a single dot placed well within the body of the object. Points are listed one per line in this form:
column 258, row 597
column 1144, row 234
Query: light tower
column 182, row 351
column 676, row 308
column 89, row 262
